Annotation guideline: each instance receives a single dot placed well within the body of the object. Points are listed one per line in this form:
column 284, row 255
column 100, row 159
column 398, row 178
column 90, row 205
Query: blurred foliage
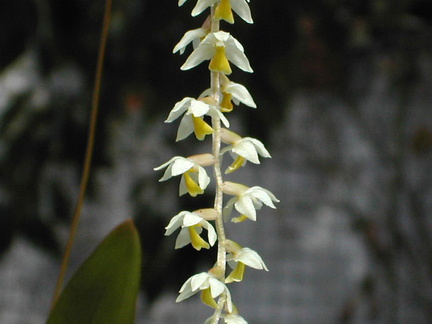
column 105, row 287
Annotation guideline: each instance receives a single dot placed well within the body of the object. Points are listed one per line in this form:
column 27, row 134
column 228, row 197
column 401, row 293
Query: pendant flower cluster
column 202, row 116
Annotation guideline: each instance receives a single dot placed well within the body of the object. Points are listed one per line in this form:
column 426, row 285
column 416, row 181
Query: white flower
column 238, row 92
column 192, row 36
column 233, row 319
column 242, row 149
column 238, row 258
column 232, row 91
column 192, row 121
column 239, row 6
column 191, row 227
column 247, row 200
column 221, row 48
column 228, row 319
column 194, row 177
column 210, row 288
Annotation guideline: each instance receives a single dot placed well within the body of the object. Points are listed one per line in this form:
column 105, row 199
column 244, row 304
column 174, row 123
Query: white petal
column 215, row 113
column 200, row 281
column 187, row 289
column 228, row 300
column 237, row 57
column 170, row 161
column 181, row 2
column 229, row 206
column 189, row 37
column 198, row 108
column 202, row 53
column 191, row 219
column 216, row 287
column 234, row 42
column 203, row 178
column 167, row 174
column 251, row 259
column 247, row 150
column 240, row 93
column 182, row 187
column 174, row 223
column 234, row 319
column 242, row 9
column 183, row 238
column 201, row 6
column 221, row 36
column 246, row 207
column 259, row 147
column 264, row 195
column 212, row 236
column 181, row 165
column 186, row 128
column 179, row 108
column 210, row 320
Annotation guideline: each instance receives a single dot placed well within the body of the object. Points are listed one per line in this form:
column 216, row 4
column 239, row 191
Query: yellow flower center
column 197, row 241
column 223, row 11
column 226, row 104
column 237, row 164
column 207, row 298
column 237, row 274
column 193, row 188
column 239, row 219
column 201, row 128
column 219, row 62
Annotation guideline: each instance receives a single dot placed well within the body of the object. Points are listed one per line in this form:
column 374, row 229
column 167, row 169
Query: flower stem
column 218, row 202
column 88, row 155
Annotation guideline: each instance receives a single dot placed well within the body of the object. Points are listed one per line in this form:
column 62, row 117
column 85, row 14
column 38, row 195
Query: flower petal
column 250, row 258
column 237, row 274
column 202, row 5
column 242, row 9
column 211, row 233
column 246, row 207
column 179, row 108
column 203, row 178
column 203, row 52
column 191, row 219
column 263, row 195
column 186, row 127
column 183, row 238
column 238, row 58
column 214, row 113
column 207, row 299
column 234, row 319
column 174, row 223
column 216, row 287
column 247, row 150
column 240, row 93
column 259, row 147
column 196, row 240
column 198, row 108
column 181, row 165
column 200, row 281
column 189, row 37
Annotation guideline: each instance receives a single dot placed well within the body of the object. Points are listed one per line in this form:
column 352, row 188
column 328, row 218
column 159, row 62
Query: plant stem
column 218, row 202
column 216, row 143
column 88, row 155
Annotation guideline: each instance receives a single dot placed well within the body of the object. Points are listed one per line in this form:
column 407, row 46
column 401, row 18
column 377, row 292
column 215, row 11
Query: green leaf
column 105, row 288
